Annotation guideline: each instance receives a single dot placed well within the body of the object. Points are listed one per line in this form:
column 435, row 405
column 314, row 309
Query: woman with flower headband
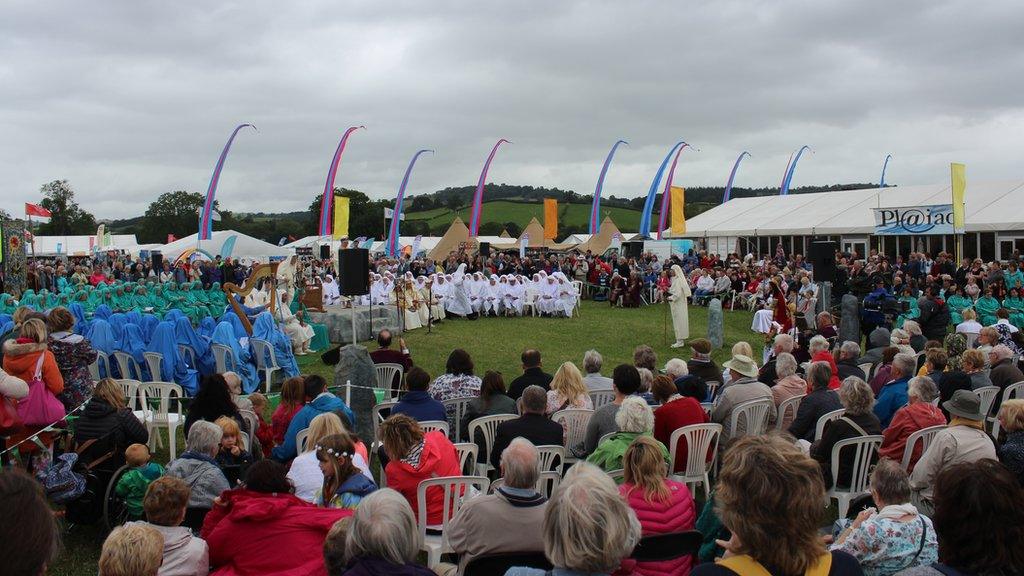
column 344, row 484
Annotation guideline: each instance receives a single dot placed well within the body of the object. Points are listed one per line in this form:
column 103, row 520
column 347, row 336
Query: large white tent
column 245, row 246
column 80, row 245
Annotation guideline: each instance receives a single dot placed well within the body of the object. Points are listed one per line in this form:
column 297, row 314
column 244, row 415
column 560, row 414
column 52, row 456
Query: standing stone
column 716, row 324
column 849, row 325
column 354, row 365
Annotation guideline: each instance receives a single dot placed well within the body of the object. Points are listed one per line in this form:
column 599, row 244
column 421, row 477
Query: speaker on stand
column 354, row 279
column 158, row 261
column 325, row 251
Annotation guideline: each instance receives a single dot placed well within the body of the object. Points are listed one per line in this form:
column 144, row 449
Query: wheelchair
column 102, row 465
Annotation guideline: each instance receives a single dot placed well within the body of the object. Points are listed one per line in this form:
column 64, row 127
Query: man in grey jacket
column 743, row 387
column 197, row 467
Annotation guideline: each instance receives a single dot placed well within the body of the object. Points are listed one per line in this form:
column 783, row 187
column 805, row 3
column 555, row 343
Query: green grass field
column 495, row 344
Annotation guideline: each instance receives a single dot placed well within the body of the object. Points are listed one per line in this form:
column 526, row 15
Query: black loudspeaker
column 158, row 261
column 632, row 249
column 354, row 271
column 823, row 259
column 325, row 251
column 485, row 249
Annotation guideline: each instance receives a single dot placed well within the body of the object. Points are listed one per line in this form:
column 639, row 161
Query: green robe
column 986, row 307
column 957, row 304
column 1016, row 308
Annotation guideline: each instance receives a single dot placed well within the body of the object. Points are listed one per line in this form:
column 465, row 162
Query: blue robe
column 102, row 311
column 117, row 323
column 101, row 336
column 149, row 324
column 185, row 335
column 224, row 334
column 173, row 367
column 266, row 329
column 134, row 317
column 133, row 343
column 236, row 324
column 207, row 326
column 81, row 324
column 173, row 314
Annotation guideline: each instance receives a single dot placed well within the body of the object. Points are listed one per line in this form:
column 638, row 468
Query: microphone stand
column 430, row 307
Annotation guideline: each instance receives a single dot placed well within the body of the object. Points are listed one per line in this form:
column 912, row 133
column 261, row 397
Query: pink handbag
column 40, row 407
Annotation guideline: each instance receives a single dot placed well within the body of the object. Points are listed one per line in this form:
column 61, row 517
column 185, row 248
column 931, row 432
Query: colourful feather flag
column 732, row 176
column 645, row 216
column 478, row 196
column 792, row 168
column 229, row 246
column 881, row 182
column 326, row 201
column 678, row 208
column 396, row 216
column 206, row 218
column 665, row 193
column 595, row 208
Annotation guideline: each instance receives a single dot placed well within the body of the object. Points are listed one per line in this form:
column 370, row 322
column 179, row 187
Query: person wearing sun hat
column 964, row 440
column 701, row 364
column 743, row 387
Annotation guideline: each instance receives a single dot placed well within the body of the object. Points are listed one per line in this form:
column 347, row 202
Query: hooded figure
column 185, row 335
column 81, row 324
column 172, row 366
column 224, row 334
column 236, row 325
column 458, row 299
column 102, row 339
column 265, row 329
column 133, row 343
column 678, row 292
column 331, row 293
column 206, row 327
column 149, row 324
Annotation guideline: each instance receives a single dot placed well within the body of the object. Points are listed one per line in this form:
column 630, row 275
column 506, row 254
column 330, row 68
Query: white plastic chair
column 865, row 448
column 530, row 301
column 467, row 452
column 251, row 420
column 602, row 397
column 925, row 436
column 546, row 483
column 376, row 417
column 454, row 493
column 713, row 386
column 434, row 425
column 1012, row 391
column 163, row 416
column 127, row 365
column 154, row 361
column 577, row 287
column 788, row 405
column 987, row 396
column 827, row 417
column 131, row 391
column 458, row 412
column 551, row 458
column 221, row 355
column 574, row 421
column 700, row 439
column 866, row 368
column 262, row 350
column 301, row 438
column 605, row 437
column 754, row 414
column 188, row 355
column 487, row 426
column 386, row 373
column 243, row 440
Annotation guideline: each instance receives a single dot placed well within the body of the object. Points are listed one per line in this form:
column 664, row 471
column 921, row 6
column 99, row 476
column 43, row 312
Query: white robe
column 458, row 299
column 678, row 292
column 299, row 335
column 492, row 295
column 513, row 300
column 331, row 293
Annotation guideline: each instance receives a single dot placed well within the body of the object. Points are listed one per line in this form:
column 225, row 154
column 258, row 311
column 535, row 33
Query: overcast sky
column 131, row 99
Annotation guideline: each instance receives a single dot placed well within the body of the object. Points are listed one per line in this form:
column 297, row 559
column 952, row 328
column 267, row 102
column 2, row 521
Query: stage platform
column 339, row 322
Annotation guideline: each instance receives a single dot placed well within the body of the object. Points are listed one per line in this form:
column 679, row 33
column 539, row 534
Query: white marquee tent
column 245, row 246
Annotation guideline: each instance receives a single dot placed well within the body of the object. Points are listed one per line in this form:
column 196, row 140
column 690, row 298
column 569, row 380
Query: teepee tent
column 600, row 242
column 457, row 233
column 504, row 233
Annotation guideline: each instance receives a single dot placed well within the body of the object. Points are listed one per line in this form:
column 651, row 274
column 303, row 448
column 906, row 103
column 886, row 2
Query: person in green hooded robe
column 913, row 311
column 218, row 300
column 1015, row 305
column 986, row 307
column 957, row 303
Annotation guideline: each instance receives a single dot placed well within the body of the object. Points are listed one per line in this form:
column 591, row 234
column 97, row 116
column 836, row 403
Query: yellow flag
column 340, row 217
column 677, row 224
column 550, row 218
column 958, row 175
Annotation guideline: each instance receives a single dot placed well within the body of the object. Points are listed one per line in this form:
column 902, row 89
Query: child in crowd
column 344, row 485
column 133, row 484
column 233, row 459
column 264, row 431
column 165, row 504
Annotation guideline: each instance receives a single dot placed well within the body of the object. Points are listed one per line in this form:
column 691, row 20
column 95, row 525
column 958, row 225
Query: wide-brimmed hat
column 964, row 404
column 701, row 345
column 742, row 364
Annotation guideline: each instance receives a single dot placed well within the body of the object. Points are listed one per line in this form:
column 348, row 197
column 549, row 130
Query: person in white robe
column 440, row 288
column 423, row 298
column 331, row 292
column 514, row 296
column 491, row 293
column 409, row 301
column 299, row 333
column 476, row 292
column 458, row 298
column 548, row 292
column 431, row 296
column 566, row 294
column 678, row 292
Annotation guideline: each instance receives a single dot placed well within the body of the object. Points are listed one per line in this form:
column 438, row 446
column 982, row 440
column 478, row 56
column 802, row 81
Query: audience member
column 883, row 370
column 414, row 457
column 305, row 473
column 29, row 536
column 532, row 425
column 1011, row 453
column 894, row 393
column 73, row 354
column 318, row 401
column 184, row 554
column 458, row 381
column 232, row 457
column 491, row 402
column 849, row 351
column 134, row 549
column 858, row 420
column 593, row 380
column 788, row 384
column 626, row 383
column 381, row 538
column 964, row 440
column 588, row 528
column 385, row 354
column 533, row 375
column 675, row 412
column 293, row 398
column 417, row 402
column 212, row 401
column 782, row 344
column 918, row 414
column 344, row 484
column 1004, row 372
column 197, row 467
column 567, row 390
column 633, row 420
column 743, row 387
column 107, row 416
column 132, row 485
column 701, row 364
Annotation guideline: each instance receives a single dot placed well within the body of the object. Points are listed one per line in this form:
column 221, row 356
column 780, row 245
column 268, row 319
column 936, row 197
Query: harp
column 261, row 272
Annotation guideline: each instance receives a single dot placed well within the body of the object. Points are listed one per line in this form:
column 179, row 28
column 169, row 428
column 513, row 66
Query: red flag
column 36, row 210
column 170, row 238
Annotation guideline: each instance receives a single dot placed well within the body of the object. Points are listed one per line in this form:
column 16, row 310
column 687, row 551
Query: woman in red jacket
column 679, row 407
column 661, row 505
column 415, row 457
column 262, row 528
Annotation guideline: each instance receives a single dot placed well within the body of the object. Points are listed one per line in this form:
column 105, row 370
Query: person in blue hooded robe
column 81, row 324
column 172, row 366
column 185, row 335
column 102, row 311
column 134, row 344
column 149, row 324
column 224, row 334
column 236, row 325
column 117, row 323
column 266, row 329
column 134, row 317
column 206, row 327
column 173, row 314
column 101, row 336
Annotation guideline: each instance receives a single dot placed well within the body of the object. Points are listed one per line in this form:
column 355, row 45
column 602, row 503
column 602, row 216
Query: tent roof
column 456, row 234
column 79, row 245
column 536, row 232
column 504, row 233
column 991, row 206
column 245, row 246
column 600, row 242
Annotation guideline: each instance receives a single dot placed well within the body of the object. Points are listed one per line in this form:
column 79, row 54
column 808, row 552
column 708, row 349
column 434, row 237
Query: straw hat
column 742, row 364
